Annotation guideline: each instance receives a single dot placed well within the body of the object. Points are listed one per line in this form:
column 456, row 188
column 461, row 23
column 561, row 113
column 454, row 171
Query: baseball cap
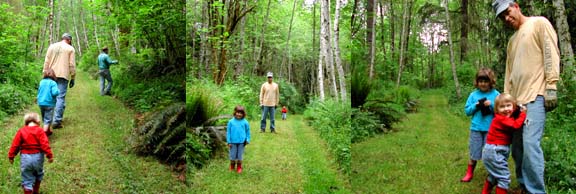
column 67, row 36
column 269, row 74
column 500, row 5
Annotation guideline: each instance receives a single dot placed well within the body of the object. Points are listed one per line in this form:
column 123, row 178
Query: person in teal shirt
column 237, row 137
column 480, row 106
column 104, row 63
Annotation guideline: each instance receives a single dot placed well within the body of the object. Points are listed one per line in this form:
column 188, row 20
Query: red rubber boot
column 487, row 187
column 239, row 166
column 36, row 187
column 232, row 165
column 500, row 190
column 469, row 173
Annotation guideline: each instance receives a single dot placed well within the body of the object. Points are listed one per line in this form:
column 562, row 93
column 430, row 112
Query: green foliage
column 332, row 120
column 364, row 125
column 559, row 141
column 360, row 89
column 162, row 134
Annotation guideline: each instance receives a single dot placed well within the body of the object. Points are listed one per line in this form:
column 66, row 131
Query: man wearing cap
column 532, row 70
column 60, row 58
column 269, row 98
column 104, row 63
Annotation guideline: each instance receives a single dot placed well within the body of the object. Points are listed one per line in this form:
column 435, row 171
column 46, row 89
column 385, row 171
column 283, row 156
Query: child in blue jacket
column 237, row 137
column 47, row 93
column 481, row 107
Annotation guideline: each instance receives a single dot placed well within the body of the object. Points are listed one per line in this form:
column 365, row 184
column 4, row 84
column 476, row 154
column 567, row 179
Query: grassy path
column 428, row 154
column 90, row 152
column 295, row 160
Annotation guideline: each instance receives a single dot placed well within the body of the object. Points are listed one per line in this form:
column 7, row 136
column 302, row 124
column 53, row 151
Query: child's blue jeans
column 47, row 114
column 32, row 169
column 236, row 151
column 495, row 159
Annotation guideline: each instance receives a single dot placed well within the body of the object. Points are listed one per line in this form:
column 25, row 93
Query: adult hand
column 11, row 161
column 229, row 145
column 550, row 100
column 72, row 83
column 50, row 160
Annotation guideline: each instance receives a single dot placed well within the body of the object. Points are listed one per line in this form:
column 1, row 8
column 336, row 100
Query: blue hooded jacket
column 480, row 122
column 238, row 131
column 47, row 92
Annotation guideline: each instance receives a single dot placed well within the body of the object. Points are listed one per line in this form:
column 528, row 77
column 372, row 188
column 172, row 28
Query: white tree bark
column 337, row 59
column 564, row 35
column 371, row 35
column 454, row 74
column 326, row 45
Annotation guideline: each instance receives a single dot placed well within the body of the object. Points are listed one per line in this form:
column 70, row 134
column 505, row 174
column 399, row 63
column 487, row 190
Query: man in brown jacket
column 269, row 98
column 60, row 58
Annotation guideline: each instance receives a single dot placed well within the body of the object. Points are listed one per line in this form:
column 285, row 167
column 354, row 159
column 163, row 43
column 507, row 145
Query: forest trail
column 295, row 160
column 90, row 152
column 427, row 154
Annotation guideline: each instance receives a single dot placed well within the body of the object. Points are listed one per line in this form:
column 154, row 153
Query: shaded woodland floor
column 90, row 152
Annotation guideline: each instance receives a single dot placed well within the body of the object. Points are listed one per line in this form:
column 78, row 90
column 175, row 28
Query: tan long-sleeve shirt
column 269, row 94
column 533, row 61
column 60, row 58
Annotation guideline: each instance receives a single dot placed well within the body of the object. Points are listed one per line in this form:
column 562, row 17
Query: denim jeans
column 105, row 76
column 526, row 149
column 476, row 144
column 32, row 169
column 60, row 100
column 47, row 114
column 267, row 110
column 283, row 116
column 236, row 151
column 495, row 159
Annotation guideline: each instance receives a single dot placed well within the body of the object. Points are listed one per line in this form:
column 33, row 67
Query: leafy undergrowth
column 90, row 152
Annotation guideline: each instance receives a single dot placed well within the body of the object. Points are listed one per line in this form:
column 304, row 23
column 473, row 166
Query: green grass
column 90, row 152
column 295, row 160
column 428, row 153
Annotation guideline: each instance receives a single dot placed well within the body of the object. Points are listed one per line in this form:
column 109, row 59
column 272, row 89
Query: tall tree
column 287, row 49
column 454, row 74
column 404, row 38
column 463, row 30
column 370, row 36
column 260, row 56
column 51, row 21
column 564, row 35
column 326, row 45
column 338, row 61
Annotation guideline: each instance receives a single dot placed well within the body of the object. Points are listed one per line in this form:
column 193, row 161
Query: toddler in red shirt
column 32, row 143
column 508, row 118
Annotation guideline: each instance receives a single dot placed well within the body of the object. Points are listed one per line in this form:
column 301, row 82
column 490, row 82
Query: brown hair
column 49, row 73
column 239, row 109
column 503, row 98
column 485, row 74
column 31, row 117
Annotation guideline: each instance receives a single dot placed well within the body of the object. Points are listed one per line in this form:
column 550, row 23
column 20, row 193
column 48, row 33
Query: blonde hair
column 504, row 98
column 31, row 117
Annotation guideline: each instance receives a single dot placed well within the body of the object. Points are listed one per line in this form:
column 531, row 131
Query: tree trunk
column 326, row 45
column 370, row 36
column 95, row 22
column 392, row 21
column 463, row 30
column 341, row 75
column 383, row 33
column 264, row 24
column 57, row 29
column 50, row 22
column 404, row 38
column 287, row 49
column 239, row 67
column 454, row 74
column 353, row 19
column 79, row 46
column 82, row 18
column 564, row 36
column 115, row 36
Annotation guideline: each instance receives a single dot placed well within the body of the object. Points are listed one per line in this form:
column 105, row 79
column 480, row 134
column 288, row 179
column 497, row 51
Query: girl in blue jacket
column 47, row 93
column 237, row 137
column 481, row 107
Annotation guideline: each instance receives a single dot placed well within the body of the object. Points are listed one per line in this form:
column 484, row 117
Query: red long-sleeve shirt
column 502, row 127
column 30, row 140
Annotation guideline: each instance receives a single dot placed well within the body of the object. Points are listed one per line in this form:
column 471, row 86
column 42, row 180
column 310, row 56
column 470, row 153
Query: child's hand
column 50, row 160
column 487, row 103
column 11, row 161
column 229, row 145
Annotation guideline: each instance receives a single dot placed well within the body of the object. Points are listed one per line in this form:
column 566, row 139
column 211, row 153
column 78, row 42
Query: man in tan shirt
column 60, row 58
column 532, row 70
column 269, row 98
